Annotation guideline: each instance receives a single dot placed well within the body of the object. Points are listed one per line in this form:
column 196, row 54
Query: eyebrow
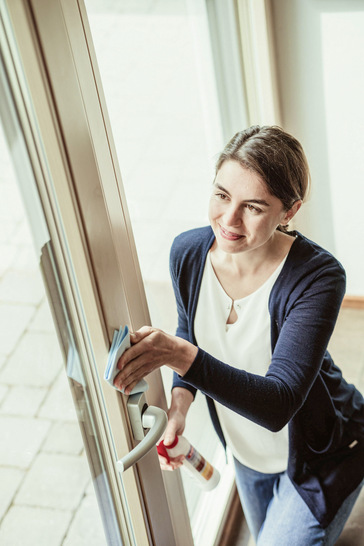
column 255, row 201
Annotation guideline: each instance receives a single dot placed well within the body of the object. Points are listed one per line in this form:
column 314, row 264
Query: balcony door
column 52, row 103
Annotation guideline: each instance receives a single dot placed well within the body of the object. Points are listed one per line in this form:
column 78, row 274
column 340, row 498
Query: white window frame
column 63, row 115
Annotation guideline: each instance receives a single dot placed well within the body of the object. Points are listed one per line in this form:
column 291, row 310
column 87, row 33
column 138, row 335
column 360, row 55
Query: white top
column 246, row 344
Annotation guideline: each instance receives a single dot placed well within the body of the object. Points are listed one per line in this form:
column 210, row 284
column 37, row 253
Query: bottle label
column 199, row 463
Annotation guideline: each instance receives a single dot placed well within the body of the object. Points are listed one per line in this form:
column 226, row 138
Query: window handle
column 142, row 417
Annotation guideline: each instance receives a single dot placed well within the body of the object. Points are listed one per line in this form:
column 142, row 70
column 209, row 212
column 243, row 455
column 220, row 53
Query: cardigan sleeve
column 182, row 324
column 272, row 400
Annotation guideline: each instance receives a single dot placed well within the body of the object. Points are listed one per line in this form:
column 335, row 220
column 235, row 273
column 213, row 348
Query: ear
column 292, row 211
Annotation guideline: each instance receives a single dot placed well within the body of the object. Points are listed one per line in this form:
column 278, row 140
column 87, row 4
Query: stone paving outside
column 46, row 494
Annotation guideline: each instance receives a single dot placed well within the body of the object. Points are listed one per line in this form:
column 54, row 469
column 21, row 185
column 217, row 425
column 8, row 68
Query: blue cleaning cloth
column 120, row 342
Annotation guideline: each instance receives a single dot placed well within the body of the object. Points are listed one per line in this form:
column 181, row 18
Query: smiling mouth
column 229, row 235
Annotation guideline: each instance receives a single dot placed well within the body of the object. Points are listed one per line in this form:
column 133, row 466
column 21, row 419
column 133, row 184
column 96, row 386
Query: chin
column 231, row 247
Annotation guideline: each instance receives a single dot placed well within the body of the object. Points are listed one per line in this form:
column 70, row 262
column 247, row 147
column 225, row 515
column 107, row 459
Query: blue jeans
column 276, row 514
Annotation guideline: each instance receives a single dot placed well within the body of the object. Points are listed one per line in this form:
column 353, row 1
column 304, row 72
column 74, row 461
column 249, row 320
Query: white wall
column 319, row 45
column 343, row 73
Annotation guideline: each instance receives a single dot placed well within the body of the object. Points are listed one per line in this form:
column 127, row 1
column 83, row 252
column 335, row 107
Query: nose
column 232, row 216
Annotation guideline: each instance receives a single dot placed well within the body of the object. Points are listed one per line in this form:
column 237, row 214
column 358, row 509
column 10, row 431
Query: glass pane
column 48, row 496
column 155, row 63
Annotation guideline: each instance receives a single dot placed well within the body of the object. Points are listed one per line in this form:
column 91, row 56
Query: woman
column 257, row 305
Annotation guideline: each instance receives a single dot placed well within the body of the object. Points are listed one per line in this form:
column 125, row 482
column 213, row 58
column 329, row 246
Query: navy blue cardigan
column 302, row 386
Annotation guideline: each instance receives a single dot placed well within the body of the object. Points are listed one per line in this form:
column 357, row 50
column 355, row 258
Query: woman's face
column 243, row 214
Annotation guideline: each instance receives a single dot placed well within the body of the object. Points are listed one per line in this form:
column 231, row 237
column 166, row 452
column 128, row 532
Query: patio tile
column 54, row 481
column 7, row 230
column 59, row 404
column 26, row 260
column 11, row 205
column 13, row 321
column 3, row 391
column 23, row 401
column 22, row 233
column 20, row 287
column 10, row 479
column 36, row 361
column 87, row 526
column 42, row 320
column 64, row 438
column 7, row 253
column 27, row 526
column 21, row 439
column 90, row 490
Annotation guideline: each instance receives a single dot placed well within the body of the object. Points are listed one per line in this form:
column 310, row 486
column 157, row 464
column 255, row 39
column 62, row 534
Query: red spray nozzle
column 162, row 448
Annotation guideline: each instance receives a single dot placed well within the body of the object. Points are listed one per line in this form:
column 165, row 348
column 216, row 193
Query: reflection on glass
column 79, row 389
column 45, row 479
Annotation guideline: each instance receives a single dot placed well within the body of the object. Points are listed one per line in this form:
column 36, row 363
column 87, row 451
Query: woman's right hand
column 176, row 425
column 180, row 404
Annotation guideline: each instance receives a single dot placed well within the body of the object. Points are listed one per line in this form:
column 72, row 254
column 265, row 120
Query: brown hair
column 274, row 155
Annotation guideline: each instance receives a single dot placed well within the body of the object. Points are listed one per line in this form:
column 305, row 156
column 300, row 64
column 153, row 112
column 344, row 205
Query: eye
column 253, row 209
column 221, row 196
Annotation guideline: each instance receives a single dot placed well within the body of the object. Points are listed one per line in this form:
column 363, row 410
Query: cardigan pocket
column 327, row 464
column 321, row 426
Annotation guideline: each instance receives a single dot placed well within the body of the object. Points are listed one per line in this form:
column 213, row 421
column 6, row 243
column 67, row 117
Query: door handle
column 142, row 417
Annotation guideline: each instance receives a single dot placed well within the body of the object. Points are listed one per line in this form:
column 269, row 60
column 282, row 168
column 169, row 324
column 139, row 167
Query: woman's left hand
column 150, row 349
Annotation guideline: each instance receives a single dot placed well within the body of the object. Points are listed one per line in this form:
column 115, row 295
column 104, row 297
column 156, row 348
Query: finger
column 177, row 461
column 173, row 464
column 127, row 356
column 138, row 348
column 130, row 356
column 164, row 463
column 167, row 467
column 156, row 347
column 140, row 334
column 170, row 467
column 131, row 375
column 140, row 366
column 162, row 460
column 126, row 387
column 133, row 372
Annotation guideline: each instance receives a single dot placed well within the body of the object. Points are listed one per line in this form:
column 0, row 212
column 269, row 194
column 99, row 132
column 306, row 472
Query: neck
column 252, row 261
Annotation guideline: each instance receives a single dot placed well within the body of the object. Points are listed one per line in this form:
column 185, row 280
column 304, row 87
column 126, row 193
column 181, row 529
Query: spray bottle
column 207, row 476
